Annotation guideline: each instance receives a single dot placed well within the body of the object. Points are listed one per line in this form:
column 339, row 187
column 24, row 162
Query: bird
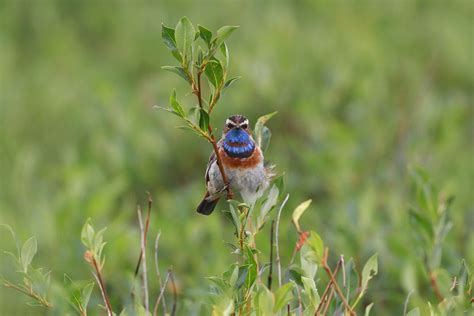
column 243, row 164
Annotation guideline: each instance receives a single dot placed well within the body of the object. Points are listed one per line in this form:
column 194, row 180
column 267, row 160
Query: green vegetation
column 364, row 92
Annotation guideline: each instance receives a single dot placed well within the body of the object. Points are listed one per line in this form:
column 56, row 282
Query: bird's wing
column 212, row 159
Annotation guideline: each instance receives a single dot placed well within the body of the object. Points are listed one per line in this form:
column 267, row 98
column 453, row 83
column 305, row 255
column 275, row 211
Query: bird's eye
column 230, row 125
column 244, row 126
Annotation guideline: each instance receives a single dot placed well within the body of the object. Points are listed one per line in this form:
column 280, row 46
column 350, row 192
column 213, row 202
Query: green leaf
column 86, row 295
column 309, row 261
column 262, row 134
column 222, row 34
column 203, row 119
column 229, row 82
column 268, row 205
column 214, row 72
column 414, row 312
column 200, row 57
column 28, row 251
column 368, row 308
column 263, row 301
column 234, row 276
column 280, row 183
column 316, row 244
column 282, row 296
column 295, row 273
column 265, row 136
column 184, row 35
column 179, row 71
column 299, row 210
column 225, row 53
column 252, row 267
column 369, row 271
column 242, row 276
column 205, row 34
column 167, row 34
column 311, row 291
column 176, row 106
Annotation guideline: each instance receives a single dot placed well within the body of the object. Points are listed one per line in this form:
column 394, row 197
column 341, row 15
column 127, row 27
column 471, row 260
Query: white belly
column 249, row 182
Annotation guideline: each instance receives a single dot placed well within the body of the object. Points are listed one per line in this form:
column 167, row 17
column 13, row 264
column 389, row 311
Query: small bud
column 89, row 256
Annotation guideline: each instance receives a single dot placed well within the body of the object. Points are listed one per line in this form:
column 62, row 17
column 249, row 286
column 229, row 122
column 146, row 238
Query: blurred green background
column 364, row 89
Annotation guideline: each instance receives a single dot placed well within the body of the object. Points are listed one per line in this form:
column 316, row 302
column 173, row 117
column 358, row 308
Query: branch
column 198, row 92
column 175, row 294
column 269, row 282
column 334, row 282
column 89, row 257
column 328, row 287
column 162, row 291
column 150, row 203
column 143, row 256
column 434, row 285
column 158, row 274
column 277, row 260
column 29, row 293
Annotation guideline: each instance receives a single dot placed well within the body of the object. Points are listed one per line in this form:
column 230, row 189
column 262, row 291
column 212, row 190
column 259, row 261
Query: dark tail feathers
column 207, row 206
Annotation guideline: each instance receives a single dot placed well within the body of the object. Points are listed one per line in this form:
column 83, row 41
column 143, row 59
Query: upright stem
column 212, row 140
column 277, row 248
column 334, row 282
column 269, row 283
column 434, row 285
column 144, row 267
column 103, row 291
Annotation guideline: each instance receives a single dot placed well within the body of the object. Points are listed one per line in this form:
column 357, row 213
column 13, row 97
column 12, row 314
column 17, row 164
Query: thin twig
column 269, row 282
column 328, row 287
column 300, row 304
column 175, row 294
column 197, row 91
column 157, row 270
column 150, row 203
column 144, row 268
column 405, row 306
column 277, row 248
column 328, row 302
column 98, row 276
column 29, row 293
column 334, row 282
column 434, row 285
column 162, row 291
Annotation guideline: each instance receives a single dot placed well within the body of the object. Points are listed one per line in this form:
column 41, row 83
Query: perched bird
column 243, row 165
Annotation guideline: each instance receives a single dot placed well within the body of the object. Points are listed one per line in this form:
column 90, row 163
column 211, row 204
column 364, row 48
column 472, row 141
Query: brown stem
column 434, row 285
column 197, row 92
column 29, row 293
column 158, row 274
column 175, row 294
column 100, row 282
column 328, row 287
column 277, row 249
column 150, row 203
column 331, row 294
column 334, row 282
column 144, row 268
column 269, row 282
column 162, row 291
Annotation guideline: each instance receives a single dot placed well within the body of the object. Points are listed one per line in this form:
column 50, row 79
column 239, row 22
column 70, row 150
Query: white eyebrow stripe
column 244, row 122
column 229, row 122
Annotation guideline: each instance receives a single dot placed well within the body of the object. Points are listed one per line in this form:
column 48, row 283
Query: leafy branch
column 194, row 60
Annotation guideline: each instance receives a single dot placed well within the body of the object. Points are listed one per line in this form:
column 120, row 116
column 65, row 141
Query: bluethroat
column 243, row 165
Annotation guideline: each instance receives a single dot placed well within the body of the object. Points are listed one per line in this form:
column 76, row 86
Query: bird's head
column 237, row 122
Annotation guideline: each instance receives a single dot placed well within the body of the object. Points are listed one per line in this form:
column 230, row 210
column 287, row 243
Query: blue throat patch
column 237, row 144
